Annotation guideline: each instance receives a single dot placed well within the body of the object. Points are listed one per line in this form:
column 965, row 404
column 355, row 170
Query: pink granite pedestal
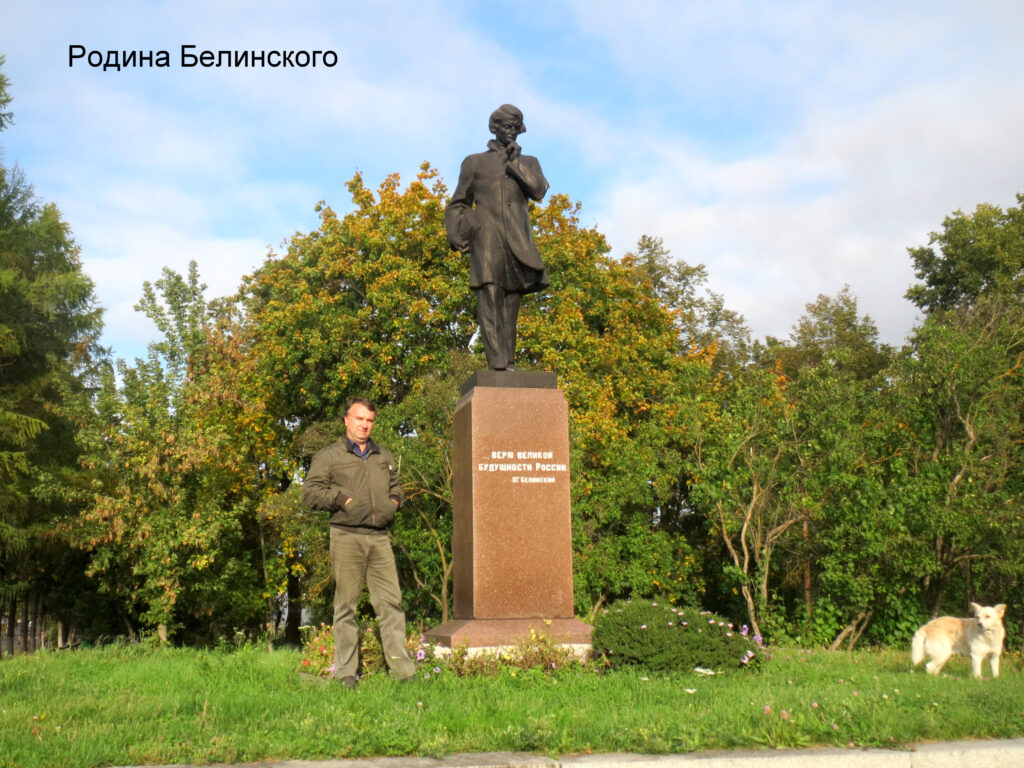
column 512, row 527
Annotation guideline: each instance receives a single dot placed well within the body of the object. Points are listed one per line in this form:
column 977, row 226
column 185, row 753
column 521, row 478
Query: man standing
column 488, row 218
column 356, row 481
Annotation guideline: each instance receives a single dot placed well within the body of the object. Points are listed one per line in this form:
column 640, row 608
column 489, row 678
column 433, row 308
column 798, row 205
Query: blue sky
column 790, row 147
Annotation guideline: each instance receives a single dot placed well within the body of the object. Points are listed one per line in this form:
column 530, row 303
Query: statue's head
column 506, row 123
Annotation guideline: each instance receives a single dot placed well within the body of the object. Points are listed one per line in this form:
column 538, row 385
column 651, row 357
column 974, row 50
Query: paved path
column 952, row 754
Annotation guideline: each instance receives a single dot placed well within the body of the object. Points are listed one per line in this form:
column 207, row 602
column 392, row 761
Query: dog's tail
column 917, row 647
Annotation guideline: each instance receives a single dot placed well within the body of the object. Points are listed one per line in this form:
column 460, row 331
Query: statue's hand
column 512, row 151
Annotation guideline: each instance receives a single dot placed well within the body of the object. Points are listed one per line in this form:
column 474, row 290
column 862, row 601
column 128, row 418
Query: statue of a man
column 488, row 219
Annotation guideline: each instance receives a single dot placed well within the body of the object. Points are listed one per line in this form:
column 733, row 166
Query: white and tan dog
column 978, row 637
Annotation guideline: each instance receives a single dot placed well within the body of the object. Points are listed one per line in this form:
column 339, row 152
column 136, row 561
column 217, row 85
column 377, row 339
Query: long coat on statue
column 488, row 219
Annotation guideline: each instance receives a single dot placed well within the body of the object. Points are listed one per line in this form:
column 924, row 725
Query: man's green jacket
column 361, row 494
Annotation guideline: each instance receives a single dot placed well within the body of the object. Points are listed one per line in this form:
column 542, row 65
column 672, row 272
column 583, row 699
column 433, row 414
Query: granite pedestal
column 512, row 527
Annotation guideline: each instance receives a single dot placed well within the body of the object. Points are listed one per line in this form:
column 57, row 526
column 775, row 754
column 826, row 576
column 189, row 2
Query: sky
column 792, row 147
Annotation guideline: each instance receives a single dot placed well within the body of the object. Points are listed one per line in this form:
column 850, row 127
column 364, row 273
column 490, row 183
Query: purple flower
column 421, row 655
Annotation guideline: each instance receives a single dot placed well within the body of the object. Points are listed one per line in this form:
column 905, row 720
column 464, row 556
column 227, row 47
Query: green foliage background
column 824, row 488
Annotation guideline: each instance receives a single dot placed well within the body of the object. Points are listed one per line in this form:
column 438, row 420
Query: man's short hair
column 367, row 404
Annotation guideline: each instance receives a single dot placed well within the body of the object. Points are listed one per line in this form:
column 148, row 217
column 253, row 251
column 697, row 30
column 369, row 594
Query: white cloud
column 792, row 148
column 887, row 132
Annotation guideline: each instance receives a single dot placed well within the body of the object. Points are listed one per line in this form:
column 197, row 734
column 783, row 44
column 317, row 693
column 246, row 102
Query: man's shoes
column 347, row 682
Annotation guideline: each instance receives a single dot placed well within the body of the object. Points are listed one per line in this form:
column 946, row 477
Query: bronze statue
column 488, row 219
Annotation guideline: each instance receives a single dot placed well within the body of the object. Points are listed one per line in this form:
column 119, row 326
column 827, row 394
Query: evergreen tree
column 49, row 326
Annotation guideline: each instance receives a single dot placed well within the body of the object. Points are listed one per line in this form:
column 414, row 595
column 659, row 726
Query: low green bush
column 660, row 637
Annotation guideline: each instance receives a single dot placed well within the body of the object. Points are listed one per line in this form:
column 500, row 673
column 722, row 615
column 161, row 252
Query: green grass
column 130, row 706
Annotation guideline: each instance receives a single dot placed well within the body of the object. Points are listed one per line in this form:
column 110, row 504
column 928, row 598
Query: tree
column 6, row 116
column 830, row 331
column 842, row 556
column 181, row 465
column 958, row 397
column 365, row 304
column 703, row 320
column 375, row 303
column 974, row 255
column 371, row 304
column 632, row 394
column 744, row 471
column 49, row 324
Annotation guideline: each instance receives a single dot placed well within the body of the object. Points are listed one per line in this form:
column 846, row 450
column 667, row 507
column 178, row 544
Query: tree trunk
column 24, row 623
column 807, row 572
column 860, row 630
column 853, row 630
column 38, row 635
column 446, row 580
column 12, row 620
column 751, row 609
column 293, row 622
column 127, row 624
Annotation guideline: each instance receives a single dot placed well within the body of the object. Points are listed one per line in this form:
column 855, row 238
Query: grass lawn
column 131, row 705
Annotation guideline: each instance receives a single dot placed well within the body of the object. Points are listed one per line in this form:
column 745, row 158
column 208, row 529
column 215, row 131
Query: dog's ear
column 1000, row 610
column 975, row 608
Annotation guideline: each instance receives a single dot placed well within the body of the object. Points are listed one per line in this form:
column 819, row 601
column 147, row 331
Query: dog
column 978, row 637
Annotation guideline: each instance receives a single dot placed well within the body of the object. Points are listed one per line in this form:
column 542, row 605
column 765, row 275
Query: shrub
column 657, row 637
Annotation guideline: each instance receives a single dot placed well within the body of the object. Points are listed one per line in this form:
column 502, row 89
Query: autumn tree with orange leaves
column 375, row 303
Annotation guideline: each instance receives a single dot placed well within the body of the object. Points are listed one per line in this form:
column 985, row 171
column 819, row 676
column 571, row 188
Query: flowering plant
column 660, row 637
column 317, row 650
column 538, row 652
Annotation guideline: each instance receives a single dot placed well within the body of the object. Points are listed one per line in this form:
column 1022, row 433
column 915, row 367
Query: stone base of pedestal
column 500, row 633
